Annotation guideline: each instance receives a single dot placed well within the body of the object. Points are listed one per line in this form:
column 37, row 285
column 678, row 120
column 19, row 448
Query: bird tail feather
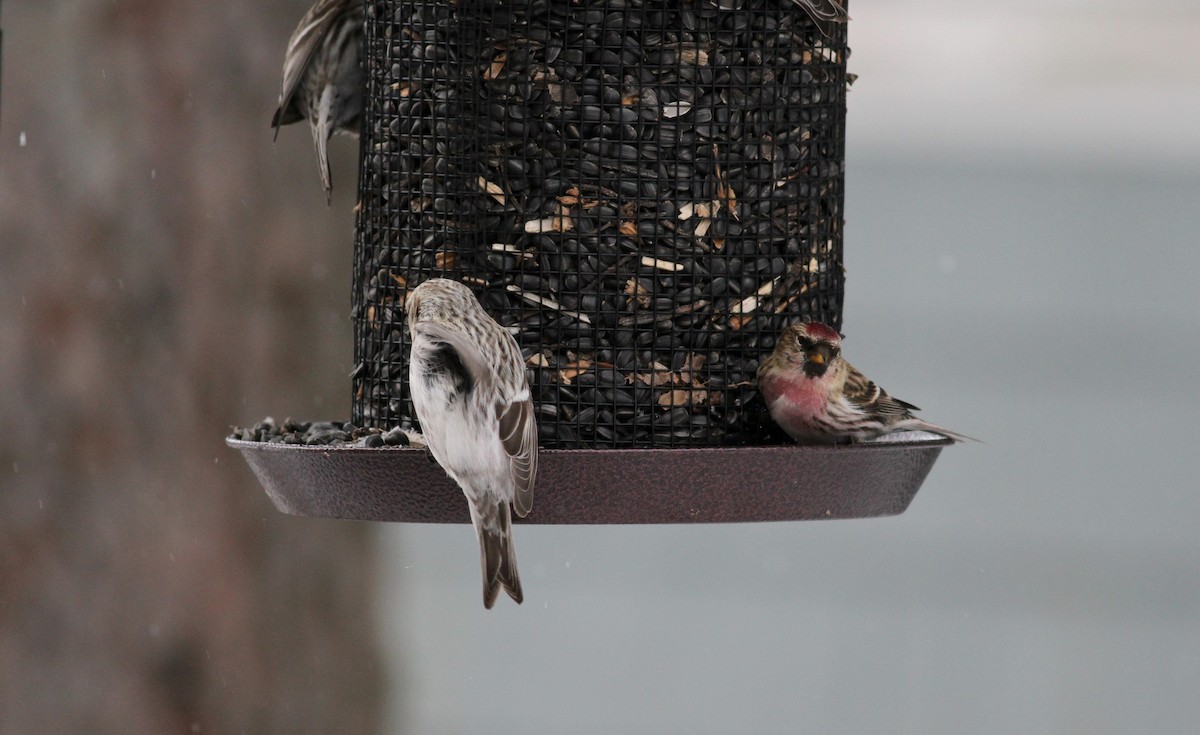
column 922, row 425
column 497, row 557
column 322, row 128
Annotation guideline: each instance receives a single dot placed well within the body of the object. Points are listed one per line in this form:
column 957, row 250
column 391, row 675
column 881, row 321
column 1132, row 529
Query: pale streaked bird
column 471, row 395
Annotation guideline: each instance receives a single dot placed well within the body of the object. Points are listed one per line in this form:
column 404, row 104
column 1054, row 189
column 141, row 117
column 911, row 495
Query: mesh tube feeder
column 645, row 194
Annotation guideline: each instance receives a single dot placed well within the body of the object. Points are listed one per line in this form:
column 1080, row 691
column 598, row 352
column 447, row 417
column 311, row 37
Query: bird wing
column 864, row 393
column 304, row 41
column 518, row 432
column 468, row 352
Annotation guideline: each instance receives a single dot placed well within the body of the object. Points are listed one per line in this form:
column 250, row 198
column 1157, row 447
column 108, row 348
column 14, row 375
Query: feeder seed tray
column 646, row 194
column 610, row 486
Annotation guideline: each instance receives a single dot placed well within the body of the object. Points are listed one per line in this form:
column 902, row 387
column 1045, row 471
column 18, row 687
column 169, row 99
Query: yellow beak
column 817, row 358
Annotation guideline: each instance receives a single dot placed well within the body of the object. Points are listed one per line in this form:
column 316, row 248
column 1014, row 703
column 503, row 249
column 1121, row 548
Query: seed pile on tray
column 326, row 434
column 645, row 193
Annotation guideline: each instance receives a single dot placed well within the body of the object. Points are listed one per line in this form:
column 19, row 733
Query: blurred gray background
column 166, row 272
column 1022, row 252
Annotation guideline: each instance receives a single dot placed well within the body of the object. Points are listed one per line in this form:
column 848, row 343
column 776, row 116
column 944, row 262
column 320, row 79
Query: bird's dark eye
column 804, row 342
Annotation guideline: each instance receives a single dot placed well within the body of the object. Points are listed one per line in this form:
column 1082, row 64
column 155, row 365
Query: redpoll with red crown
column 817, row 397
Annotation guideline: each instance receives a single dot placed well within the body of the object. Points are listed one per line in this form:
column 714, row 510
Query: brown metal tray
column 710, row 485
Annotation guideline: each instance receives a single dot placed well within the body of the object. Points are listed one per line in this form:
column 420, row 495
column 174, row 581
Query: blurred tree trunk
column 165, row 272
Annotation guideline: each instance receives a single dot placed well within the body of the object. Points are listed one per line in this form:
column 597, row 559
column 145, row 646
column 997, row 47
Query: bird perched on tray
column 468, row 386
column 817, row 397
column 322, row 77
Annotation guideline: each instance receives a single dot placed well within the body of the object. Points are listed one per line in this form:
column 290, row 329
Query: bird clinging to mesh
column 468, row 385
column 825, row 14
column 322, row 76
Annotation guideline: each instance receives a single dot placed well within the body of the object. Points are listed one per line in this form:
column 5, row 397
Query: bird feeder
column 645, row 195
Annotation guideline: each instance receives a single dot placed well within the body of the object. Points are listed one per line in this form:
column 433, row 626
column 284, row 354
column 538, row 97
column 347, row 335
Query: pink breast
column 797, row 399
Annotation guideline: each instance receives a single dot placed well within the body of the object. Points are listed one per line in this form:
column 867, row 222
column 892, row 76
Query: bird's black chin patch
column 813, row 370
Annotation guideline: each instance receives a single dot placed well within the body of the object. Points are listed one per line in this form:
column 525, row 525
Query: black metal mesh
column 646, row 193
